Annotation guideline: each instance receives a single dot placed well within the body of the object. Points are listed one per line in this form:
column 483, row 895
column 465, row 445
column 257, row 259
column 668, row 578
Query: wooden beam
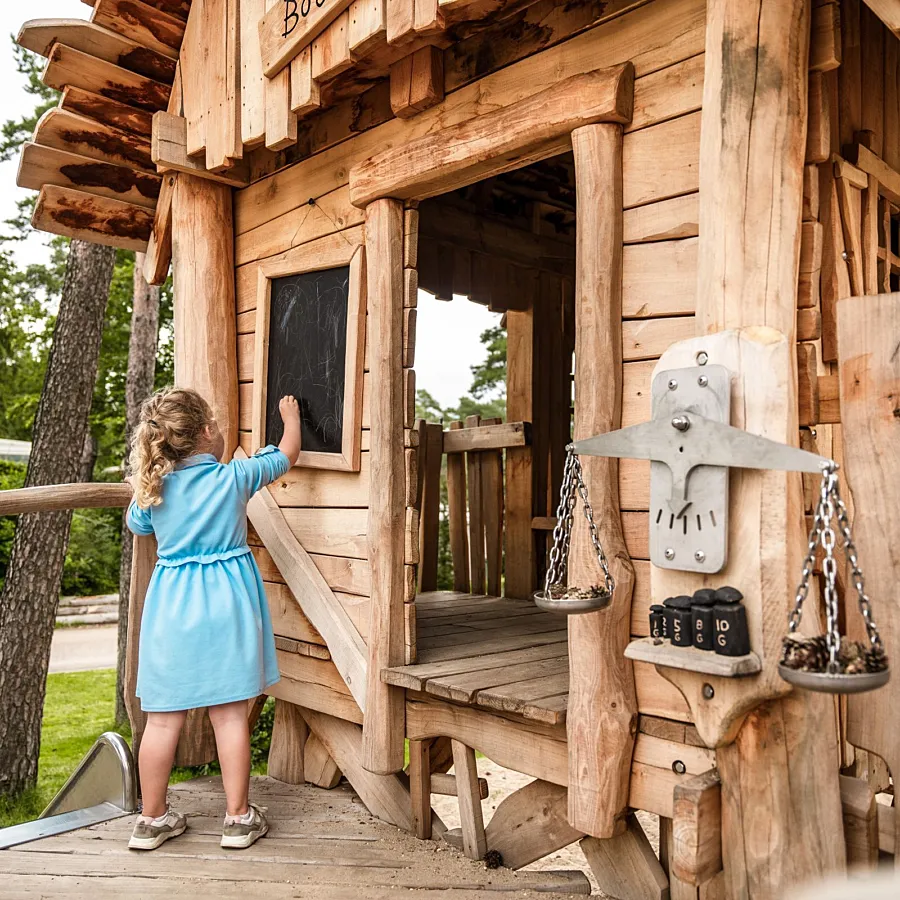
column 39, row 36
column 625, row 865
column 527, row 131
column 286, row 753
column 889, row 13
column 64, row 496
column 531, row 823
column 446, row 786
column 169, row 151
column 143, row 565
column 318, row 767
column 869, row 384
column 420, row 788
column 75, row 214
column 417, row 82
column 67, row 66
column 865, row 160
column 40, row 165
column 602, row 708
column 84, row 137
column 470, row 814
column 159, row 249
column 143, row 23
column 697, row 829
column 383, row 744
column 109, row 112
column 284, row 31
column 860, row 814
column 486, row 437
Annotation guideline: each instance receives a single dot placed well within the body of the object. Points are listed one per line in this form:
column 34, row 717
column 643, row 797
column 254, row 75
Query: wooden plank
column 286, row 753
column 368, row 26
column 417, row 82
column 285, row 30
column 314, row 684
column 330, row 51
column 530, row 823
column 281, row 122
column 869, row 380
column 420, row 788
column 253, row 81
column 818, row 132
column 475, row 494
column 313, row 593
column 142, row 23
column 659, row 279
column 100, row 220
column 892, row 104
column 625, row 865
column 825, row 37
column 109, row 112
column 159, row 248
column 457, row 509
column 697, row 829
column 287, row 617
column 40, row 165
column 533, row 129
column 492, row 504
column 430, row 479
column 446, row 786
column 383, row 746
column 223, row 90
column 466, row 769
column 870, row 164
column 889, row 13
column 305, row 94
column 486, row 437
column 76, row 134
column 192, row 63
column 665, row 220
column 648, row 338
column 169, row 149
column 318, row 767
column 859, row 812
column 401, row 20
column 808, row 384
column 39, row 36
column 598, row 797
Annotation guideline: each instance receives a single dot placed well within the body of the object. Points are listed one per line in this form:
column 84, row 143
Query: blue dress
column 206, row 633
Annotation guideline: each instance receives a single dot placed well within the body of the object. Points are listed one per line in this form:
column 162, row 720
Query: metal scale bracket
column 691, row 446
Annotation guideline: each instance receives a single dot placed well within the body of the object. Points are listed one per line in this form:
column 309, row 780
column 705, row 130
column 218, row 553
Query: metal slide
column 103, row 787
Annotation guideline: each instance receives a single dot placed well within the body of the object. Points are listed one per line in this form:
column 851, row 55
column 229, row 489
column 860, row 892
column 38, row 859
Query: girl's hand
column 289, row 409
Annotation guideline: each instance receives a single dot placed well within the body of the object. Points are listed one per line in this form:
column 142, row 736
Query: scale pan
column 573, row 606
column 827, row 683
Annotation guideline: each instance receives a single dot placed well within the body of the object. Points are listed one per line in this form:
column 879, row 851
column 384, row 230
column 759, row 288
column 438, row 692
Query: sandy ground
column 78, row 649
column 503, row 782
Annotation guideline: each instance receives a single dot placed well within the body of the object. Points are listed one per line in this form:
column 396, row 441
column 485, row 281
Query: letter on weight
column 290, row 17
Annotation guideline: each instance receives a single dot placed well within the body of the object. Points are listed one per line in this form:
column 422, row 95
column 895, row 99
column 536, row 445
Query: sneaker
column 242, row 831
column 149, row 833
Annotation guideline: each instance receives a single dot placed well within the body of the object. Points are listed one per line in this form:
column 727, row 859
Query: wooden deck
column 491, row 652
column 322, row 845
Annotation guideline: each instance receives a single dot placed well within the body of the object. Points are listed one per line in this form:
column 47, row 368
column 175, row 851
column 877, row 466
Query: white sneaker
column 149, row 833
column 241, row 832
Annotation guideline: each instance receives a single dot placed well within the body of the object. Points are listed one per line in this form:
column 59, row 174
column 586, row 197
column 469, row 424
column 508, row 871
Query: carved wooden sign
column 290, row 26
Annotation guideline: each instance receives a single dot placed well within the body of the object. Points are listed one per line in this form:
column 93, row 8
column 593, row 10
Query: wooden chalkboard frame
column 300, row 263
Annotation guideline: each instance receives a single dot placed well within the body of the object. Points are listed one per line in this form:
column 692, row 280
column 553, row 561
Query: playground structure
column 641, row 187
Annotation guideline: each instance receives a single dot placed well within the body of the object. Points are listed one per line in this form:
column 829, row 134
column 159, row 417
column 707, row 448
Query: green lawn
column 79, row 707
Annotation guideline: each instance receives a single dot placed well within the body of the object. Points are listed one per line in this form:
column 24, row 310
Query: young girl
column 206, row 636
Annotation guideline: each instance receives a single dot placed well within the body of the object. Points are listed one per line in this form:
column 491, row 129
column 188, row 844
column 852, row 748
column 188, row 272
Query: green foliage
column 78, row 708
column 15, row 133
column 12, row 475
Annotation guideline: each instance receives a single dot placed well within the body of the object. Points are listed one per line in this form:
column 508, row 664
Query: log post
column 602, row 712
column 781, row 812
column 383, row 737
column 205, row 342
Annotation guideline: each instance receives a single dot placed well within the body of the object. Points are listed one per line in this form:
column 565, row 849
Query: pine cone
column 805, row 654
column 849, row 654
column 875, row 659
column 493, row 859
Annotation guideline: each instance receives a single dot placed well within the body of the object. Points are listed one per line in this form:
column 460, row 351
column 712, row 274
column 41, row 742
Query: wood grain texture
column 383, row 727
column 469, row 794
column 602, row 710
column 868, row 332
column 288, row 744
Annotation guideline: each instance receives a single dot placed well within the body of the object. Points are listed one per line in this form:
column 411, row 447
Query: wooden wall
column 665, row 40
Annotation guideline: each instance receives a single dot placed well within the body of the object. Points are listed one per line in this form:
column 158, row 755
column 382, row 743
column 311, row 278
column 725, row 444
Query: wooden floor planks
column 492, row 652
column 322, row 845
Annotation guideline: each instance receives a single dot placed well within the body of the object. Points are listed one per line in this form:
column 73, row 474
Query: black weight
column 703, row 627
column 681, row 627
column 732, row 637
column 657, row 620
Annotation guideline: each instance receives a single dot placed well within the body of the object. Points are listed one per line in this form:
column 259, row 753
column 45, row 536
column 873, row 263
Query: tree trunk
column 30, row 596
column 138, row 386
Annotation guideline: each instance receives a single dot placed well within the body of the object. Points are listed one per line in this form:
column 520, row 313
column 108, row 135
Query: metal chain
column 573, row 479
column 830, row 508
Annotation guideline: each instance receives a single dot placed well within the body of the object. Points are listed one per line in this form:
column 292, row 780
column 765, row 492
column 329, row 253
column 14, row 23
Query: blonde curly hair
column 170, row 429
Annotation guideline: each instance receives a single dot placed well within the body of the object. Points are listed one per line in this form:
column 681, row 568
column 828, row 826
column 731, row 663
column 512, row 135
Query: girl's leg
column 229, row 721
column 156, row 756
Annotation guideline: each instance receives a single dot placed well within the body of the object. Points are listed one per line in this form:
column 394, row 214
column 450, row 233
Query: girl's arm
column 290, row 415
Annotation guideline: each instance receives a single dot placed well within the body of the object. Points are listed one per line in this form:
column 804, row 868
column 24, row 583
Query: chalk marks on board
column 307, row 355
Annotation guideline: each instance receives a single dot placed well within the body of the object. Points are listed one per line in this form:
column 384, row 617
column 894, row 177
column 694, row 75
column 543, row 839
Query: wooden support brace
column 860, row 816
column 420, row 787
column 697, row 827
column 159, row 249
column 318, row 767
column 417, row 82
column 445, row 786
column 289, row 735
column 474, row 843
column 169, row 151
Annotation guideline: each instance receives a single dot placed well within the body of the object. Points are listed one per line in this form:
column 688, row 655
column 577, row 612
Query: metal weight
column 556, row 596
column 822, row 664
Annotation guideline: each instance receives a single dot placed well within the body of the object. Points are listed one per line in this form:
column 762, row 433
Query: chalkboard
column 307, row 355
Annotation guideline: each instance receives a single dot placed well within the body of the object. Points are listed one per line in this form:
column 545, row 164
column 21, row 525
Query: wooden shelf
column 693, row 660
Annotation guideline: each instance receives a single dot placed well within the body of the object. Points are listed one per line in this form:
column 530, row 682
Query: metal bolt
column 708, row 691
column 670, row 553
column 703, row 381
column 681, row 423
column 702, row 358
column 845, row 255
column 699, row 555
column 673, row 384
column 678, row 767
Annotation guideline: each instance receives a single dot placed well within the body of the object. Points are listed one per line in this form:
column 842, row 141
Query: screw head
column 681, row 423
column 670, row 553
column 673, row 384
column 845, row 255
column 708, row 691
column 703, row 381
column 678, row 767
column 702, row 358
column 699, row 555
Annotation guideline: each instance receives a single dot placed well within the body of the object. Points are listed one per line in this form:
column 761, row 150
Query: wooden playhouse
column 640, row 186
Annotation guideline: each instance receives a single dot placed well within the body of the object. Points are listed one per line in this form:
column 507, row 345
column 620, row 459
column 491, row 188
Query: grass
column 78, row 708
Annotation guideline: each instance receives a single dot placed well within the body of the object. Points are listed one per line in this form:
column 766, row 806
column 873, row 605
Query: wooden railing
column 47, row 497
